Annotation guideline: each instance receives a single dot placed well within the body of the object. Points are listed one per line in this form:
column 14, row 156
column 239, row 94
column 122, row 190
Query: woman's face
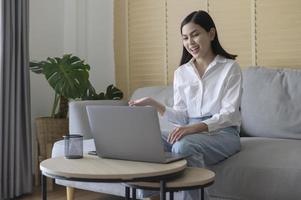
column 197, row 40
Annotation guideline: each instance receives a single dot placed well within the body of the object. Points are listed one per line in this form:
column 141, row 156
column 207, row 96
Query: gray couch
column 268, row 167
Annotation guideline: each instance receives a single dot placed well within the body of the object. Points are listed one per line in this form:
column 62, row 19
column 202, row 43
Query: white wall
column 100, row 43
column 81, row 27
column 88, row 33
column 45, row 39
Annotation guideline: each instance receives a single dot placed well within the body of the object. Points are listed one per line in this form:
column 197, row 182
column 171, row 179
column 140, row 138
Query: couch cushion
column 271, row 102
column 265, row 168
column 164, row 95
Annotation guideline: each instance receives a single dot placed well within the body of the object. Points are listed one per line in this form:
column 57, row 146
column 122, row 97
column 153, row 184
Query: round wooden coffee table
column 95, row 169
column 191, row 178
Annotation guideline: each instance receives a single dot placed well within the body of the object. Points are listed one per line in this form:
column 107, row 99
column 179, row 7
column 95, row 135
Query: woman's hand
column 148, row 101
column 145, row 101
column 179, row 132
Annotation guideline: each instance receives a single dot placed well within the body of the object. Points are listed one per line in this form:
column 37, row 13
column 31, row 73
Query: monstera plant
column 69, row 77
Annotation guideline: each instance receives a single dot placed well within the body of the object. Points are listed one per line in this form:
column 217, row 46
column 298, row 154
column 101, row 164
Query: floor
column 59, row 193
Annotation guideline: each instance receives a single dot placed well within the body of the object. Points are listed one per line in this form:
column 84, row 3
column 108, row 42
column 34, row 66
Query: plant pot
column 49, row 130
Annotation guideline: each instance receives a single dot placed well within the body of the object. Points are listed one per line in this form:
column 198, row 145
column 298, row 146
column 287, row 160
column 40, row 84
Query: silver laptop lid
column 130, row 133
column 78, row 119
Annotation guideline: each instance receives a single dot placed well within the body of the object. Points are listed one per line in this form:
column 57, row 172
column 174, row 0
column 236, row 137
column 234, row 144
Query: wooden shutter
column 278, row 27
column 233, row 21
column 147, row 43
column 121, row 46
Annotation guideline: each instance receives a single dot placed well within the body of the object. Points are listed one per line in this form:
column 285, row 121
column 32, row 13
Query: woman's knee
column 195, row 155
column 182, row 147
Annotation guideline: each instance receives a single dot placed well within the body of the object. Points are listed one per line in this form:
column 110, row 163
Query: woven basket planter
column 49, row 130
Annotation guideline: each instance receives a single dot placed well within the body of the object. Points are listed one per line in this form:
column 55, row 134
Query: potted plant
column 69, row 77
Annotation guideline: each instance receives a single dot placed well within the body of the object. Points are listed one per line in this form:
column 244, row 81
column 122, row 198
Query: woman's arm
column 148, row 101
column 177, row 114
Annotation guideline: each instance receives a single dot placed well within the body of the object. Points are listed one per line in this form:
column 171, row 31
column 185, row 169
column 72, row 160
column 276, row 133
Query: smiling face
column 197, row 40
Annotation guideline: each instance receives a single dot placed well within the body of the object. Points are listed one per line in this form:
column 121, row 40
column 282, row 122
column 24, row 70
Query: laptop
column 128, row 133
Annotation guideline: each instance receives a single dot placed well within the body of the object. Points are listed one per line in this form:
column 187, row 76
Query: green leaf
column 113, row 93
column 68, row 76
column 37, row 67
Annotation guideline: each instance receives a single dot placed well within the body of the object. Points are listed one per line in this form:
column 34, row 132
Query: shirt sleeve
column 177, row 114
column 229, row 114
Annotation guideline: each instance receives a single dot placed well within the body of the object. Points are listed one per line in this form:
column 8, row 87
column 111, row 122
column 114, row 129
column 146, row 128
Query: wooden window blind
column 147, row 53
column 278, row 30
column 120, row 46
column 233, row 21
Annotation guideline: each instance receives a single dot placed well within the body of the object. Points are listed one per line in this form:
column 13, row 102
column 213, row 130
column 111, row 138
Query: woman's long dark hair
column 204, row 20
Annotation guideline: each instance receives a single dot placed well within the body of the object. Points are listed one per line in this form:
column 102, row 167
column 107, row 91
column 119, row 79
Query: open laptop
column 128, row 133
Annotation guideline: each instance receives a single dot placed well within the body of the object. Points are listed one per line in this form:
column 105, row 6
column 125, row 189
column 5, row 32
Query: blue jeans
column 205, row 149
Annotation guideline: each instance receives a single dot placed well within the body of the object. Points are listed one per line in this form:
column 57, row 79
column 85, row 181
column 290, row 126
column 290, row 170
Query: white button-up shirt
column 217, row 93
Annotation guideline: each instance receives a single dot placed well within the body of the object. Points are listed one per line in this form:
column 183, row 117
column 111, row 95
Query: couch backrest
column 78, row 118
column 271, row 102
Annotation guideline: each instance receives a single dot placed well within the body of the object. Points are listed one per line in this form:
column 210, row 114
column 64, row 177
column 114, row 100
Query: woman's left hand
column 178, row 133
column 182, row 131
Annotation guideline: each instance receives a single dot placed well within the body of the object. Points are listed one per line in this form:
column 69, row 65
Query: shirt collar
column 217, row 59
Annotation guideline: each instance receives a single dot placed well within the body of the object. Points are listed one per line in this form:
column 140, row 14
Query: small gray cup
column 73, row 146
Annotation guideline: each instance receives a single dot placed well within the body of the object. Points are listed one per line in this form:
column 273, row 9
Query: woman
column 207, row 91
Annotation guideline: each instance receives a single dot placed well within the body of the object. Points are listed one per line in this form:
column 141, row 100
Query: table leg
column 134, row 193
column 202, row 193
column 170, row 195
column 127, row 193
column 162, row 190
column 44, row 186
